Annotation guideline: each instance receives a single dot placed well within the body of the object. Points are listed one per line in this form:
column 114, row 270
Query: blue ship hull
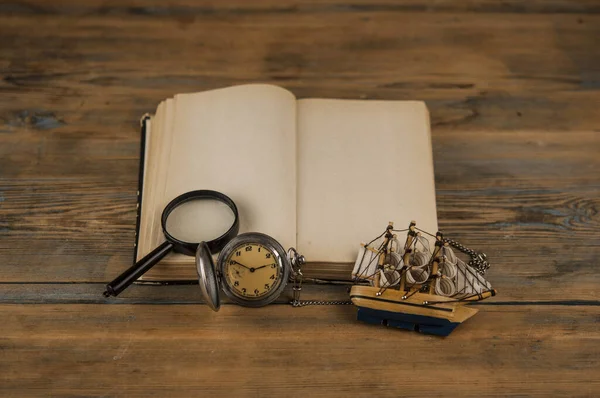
column 418, row 323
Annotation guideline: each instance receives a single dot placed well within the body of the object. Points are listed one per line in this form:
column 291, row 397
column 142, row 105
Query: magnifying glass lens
column 199, row 220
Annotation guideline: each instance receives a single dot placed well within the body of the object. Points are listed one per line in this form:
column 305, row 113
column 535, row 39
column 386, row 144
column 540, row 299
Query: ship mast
column 384, row 252
column 435, row 261
column 410, row 237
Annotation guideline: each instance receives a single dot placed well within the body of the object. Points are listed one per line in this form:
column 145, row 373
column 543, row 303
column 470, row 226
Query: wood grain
column 146, row 293
column 512, row 88
column 137, row 350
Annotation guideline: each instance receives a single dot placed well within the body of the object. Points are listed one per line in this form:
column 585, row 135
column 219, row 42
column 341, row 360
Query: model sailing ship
column 413, row 287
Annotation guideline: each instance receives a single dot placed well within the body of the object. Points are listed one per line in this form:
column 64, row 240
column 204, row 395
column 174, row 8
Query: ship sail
column 366, row 267
column 419, row 267
column 366, row 263
column 380, row 264
column 458, row 279
column 390, row 276
column 418, row 272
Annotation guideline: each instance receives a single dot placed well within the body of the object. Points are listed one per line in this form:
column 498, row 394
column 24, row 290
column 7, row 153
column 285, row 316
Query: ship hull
column 417, row 323
column 440, row 316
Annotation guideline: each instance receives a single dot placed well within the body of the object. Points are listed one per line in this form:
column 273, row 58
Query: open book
column 320, row 175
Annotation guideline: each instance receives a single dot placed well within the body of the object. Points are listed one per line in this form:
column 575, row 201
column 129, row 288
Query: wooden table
column 513, row 88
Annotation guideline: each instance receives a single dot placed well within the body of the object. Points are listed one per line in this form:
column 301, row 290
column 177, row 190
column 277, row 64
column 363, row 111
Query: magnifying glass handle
column 138, row 269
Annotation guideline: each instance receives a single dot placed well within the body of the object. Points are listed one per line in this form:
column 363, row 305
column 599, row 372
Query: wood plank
column 158, row 8
column 538, row 291
column 107, row 74
column 141, row 350
column 536, row 239
column 146, row 293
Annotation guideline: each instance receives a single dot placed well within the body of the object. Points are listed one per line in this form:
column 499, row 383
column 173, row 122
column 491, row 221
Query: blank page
column 360, row 165
column 240, row 141
column 157, row 152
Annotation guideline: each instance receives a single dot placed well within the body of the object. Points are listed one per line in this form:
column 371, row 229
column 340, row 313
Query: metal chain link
column 297, row 261
column 478, row 260
column 297, row 288
column 304, row 303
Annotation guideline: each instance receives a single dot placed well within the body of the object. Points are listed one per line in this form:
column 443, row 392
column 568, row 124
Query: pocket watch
column 252, row 270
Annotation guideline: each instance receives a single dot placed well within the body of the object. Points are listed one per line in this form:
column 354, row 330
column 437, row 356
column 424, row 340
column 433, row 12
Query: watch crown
column 301, row 260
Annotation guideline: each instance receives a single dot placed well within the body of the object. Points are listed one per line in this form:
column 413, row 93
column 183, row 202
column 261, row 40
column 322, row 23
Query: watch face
column 254, row 269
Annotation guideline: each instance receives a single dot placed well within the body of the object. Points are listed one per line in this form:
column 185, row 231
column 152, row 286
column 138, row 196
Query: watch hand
column 251, row 269
column 241, row 264
column 262, row 266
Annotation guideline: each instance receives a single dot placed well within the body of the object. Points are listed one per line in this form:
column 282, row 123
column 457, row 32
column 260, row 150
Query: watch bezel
column 280, row 258
column 207, row 276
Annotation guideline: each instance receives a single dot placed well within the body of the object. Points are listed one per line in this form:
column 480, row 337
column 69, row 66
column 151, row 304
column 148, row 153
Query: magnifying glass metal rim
column 214, row 245
column 121, row 282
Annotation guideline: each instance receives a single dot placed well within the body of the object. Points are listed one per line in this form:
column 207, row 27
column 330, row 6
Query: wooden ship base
column 421, row 312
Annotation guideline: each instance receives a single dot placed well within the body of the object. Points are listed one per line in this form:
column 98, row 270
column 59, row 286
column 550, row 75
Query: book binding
column 143, row 124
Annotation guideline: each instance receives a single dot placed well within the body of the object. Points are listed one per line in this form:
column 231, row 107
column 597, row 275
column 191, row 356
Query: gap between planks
column 188, row 293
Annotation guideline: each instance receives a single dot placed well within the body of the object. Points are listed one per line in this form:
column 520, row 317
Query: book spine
column 143, row 124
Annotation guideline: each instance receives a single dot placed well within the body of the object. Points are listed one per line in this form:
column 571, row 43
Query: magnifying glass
column 190, row 217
